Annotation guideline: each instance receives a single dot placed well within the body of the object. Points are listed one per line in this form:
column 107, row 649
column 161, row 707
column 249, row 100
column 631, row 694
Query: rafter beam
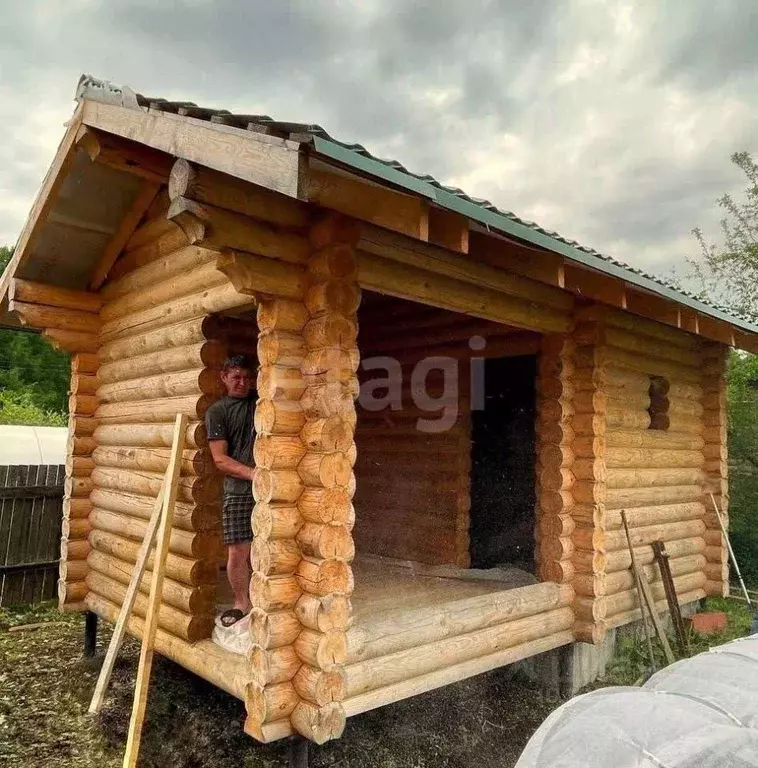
column 147, row 192
column 125, row 156
column 368, row 202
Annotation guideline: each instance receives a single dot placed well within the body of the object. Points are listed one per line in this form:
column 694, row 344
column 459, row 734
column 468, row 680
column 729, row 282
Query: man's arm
column 226, row 464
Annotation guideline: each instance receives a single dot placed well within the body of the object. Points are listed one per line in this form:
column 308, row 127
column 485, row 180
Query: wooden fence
column 30, row 530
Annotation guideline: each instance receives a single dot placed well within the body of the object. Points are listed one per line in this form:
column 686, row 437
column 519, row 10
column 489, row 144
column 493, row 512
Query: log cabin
column 438, row 494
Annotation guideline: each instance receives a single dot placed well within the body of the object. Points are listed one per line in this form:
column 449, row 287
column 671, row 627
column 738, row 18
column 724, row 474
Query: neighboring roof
column 32, row 445
column 358, row 157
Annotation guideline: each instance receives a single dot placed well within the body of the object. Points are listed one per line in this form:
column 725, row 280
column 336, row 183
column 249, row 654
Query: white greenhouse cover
column 32, row 445
column 697, row 713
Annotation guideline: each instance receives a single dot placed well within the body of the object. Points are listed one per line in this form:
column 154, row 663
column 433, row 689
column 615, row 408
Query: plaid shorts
column 235, row 518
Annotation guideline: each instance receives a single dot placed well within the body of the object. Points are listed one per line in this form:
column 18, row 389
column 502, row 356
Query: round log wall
column 639, row 430
column 159, row 355
column 303, row 486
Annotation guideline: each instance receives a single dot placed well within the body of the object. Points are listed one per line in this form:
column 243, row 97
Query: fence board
column 31, row 504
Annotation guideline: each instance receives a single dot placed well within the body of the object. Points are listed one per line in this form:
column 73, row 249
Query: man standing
column 229, row 423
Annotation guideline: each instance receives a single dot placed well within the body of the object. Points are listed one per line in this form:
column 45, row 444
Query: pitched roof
column 394, row 172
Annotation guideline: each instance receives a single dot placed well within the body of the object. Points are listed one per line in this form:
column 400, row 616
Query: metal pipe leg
column 90, row 634
column 298, row 752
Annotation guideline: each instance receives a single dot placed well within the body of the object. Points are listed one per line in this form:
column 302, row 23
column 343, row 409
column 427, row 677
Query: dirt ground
column 46, row 685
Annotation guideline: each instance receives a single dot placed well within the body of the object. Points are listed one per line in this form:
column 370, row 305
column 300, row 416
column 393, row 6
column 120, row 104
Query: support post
column 90, row 634
column 299, row 752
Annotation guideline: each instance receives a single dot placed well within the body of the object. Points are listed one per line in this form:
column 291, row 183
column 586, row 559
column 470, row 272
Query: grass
column 46, row 685
column 632, row 662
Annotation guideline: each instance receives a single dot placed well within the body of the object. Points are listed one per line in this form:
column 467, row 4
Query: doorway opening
column 503, row 460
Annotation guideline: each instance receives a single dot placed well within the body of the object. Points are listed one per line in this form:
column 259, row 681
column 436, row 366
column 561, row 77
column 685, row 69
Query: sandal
column 231, row 617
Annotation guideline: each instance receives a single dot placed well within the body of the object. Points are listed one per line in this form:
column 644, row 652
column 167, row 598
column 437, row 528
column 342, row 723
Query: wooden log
column 326, row 541
column 168, row 238
column 177, row 263
column 280, row 383
column 454, row 673
column 615, row 540
column 274, row 593
column 273, row 630
column 276, row 521
column 227, row 229
column 177, row 623
column 270, row 703
column 83, row 384
column 197, row 490
column 340, row 296
column 74, row 550
column 278, row 417
column 79, row 466
column 73, row 570
column 325, row 651
column 324, row 577
column 278, row 451
column 652, row 478
column 623, row 602
column 182, row 334
column 75, row 529
column 77, row 487
column 283, row 348
column 190, row 600
column 228, row 671
column 629, row 498
column 204, row 354
column 323, row 614
column 253, row 275
column 30, row 292
column 216, row 299
column 187, row 516
column 623, row 581
column 82, row 405
column 275, row 665
column 620, row 560
column 207, row 186
column 327, row 470
column 146, row 435
column 203, row 544
column 645, row 516
column 382, row 671
column 202, row 381
column 645, row 458
column 72, row 341
column 42, row 317
column 275, row 557
column 281, row 314
column 194, row 461
column 327, row 434
column 319, row 687
column 276, row 486
column 159, row 410
column 85, row 362
column 318, row 723
column 76, row 509
column 326, row 505
column 170, row 290
column 183, row 569
column 330, row 330
column 399, row 630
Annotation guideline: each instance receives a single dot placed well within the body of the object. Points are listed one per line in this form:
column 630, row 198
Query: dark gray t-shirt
column 231, row 419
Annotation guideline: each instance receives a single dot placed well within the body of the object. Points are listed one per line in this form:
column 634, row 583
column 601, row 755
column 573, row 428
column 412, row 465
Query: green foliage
column 728, row 272
column 743, row 462
column 631, row 665
column 33, row 376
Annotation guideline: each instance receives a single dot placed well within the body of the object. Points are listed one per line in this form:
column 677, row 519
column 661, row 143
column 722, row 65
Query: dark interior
column 503, row 465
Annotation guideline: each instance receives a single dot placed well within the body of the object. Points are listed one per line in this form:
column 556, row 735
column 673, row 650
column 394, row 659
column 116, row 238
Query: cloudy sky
column 611, row 122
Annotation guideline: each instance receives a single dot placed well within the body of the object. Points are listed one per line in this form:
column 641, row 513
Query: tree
column 728, row 273
column 33, row 376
